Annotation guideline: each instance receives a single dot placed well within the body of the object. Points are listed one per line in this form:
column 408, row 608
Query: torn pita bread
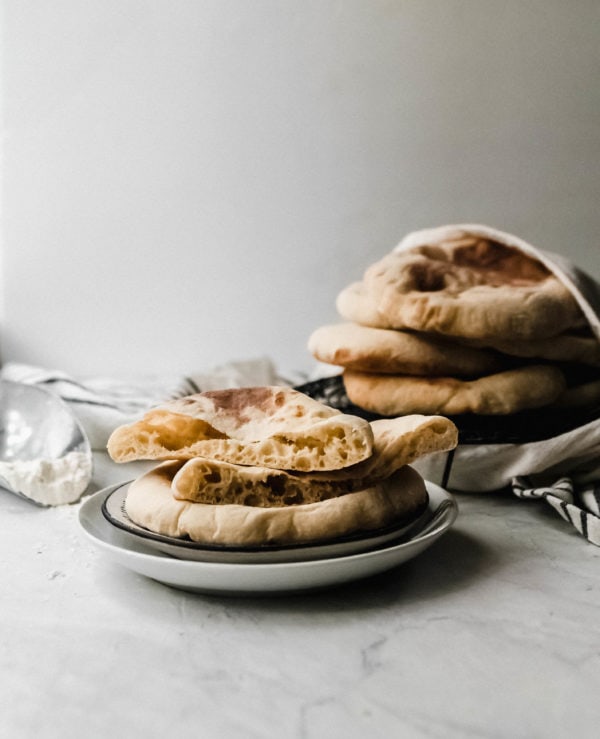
column 214, row 482
column 532, row 386
column 150, row 504
column 397, row 442
column 458, row 282
column 274, row 427
column 391, row 351
column 401, row 441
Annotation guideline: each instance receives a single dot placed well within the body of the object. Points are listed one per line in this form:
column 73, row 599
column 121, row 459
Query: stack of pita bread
column 266, row 465
column 457, row 320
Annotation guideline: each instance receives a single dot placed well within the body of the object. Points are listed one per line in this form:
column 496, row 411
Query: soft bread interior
column 213, row 482
column 151, row 504
column 397, row 442
column 273, row 427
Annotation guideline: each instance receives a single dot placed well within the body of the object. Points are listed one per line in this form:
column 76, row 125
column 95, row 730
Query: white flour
column 49, row 481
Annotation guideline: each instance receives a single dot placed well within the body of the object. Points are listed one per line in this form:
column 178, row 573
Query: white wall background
column 191, row 181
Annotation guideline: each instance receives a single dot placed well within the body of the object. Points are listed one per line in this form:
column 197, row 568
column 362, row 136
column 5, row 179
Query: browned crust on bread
column 507, row 392
column 465, row 286
column 390, row 351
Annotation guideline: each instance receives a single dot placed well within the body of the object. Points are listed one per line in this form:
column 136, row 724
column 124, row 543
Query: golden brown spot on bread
column 427, row 276
column 482, row 254
column 342, row 355
column 495, row 263
column 502, row 263
column 237, row 400
column 175, row 431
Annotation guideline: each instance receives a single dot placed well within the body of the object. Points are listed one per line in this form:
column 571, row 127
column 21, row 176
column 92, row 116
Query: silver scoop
column 45, row 455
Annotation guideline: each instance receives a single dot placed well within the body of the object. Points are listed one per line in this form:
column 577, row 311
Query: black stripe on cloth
column 66, row 380
column 560, row 506
column 77, row 386
column 521, row 488
column 195, row 387
column 566, row 512
column 517, row 485
column 98, row 403
column 584, row 523
column 596, row 494
column 447, row 468
column 580, row 521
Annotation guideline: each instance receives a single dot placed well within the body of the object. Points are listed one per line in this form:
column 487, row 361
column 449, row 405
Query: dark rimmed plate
column 261, row 579
column 113, row 509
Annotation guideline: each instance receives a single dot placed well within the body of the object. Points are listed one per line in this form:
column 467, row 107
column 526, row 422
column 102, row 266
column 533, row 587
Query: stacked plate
column 196, row 567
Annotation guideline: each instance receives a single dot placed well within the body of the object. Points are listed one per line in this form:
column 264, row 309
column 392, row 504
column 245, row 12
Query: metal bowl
column 45, row 455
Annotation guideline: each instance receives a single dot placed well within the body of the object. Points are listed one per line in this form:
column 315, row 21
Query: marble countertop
column 492, row 632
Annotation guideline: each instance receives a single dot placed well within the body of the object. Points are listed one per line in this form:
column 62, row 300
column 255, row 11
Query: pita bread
column 397, row 442
column 579, row 396
column 274, row 427
column 150, row 504
column 456, row 283
column 566, row 347
column 506, row 392
column 389, row 351
column 401, row 441
column 357, row 304
column 214, row 482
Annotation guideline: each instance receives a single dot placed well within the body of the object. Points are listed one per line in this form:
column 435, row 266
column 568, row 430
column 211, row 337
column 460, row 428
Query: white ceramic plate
column 252, row 579
column 113, row 509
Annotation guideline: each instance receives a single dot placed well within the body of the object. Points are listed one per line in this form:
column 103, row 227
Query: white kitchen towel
column 102, row 403
column 483, row 467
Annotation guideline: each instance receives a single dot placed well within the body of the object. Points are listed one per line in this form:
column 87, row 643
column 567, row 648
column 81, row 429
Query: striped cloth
column 578, row 505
